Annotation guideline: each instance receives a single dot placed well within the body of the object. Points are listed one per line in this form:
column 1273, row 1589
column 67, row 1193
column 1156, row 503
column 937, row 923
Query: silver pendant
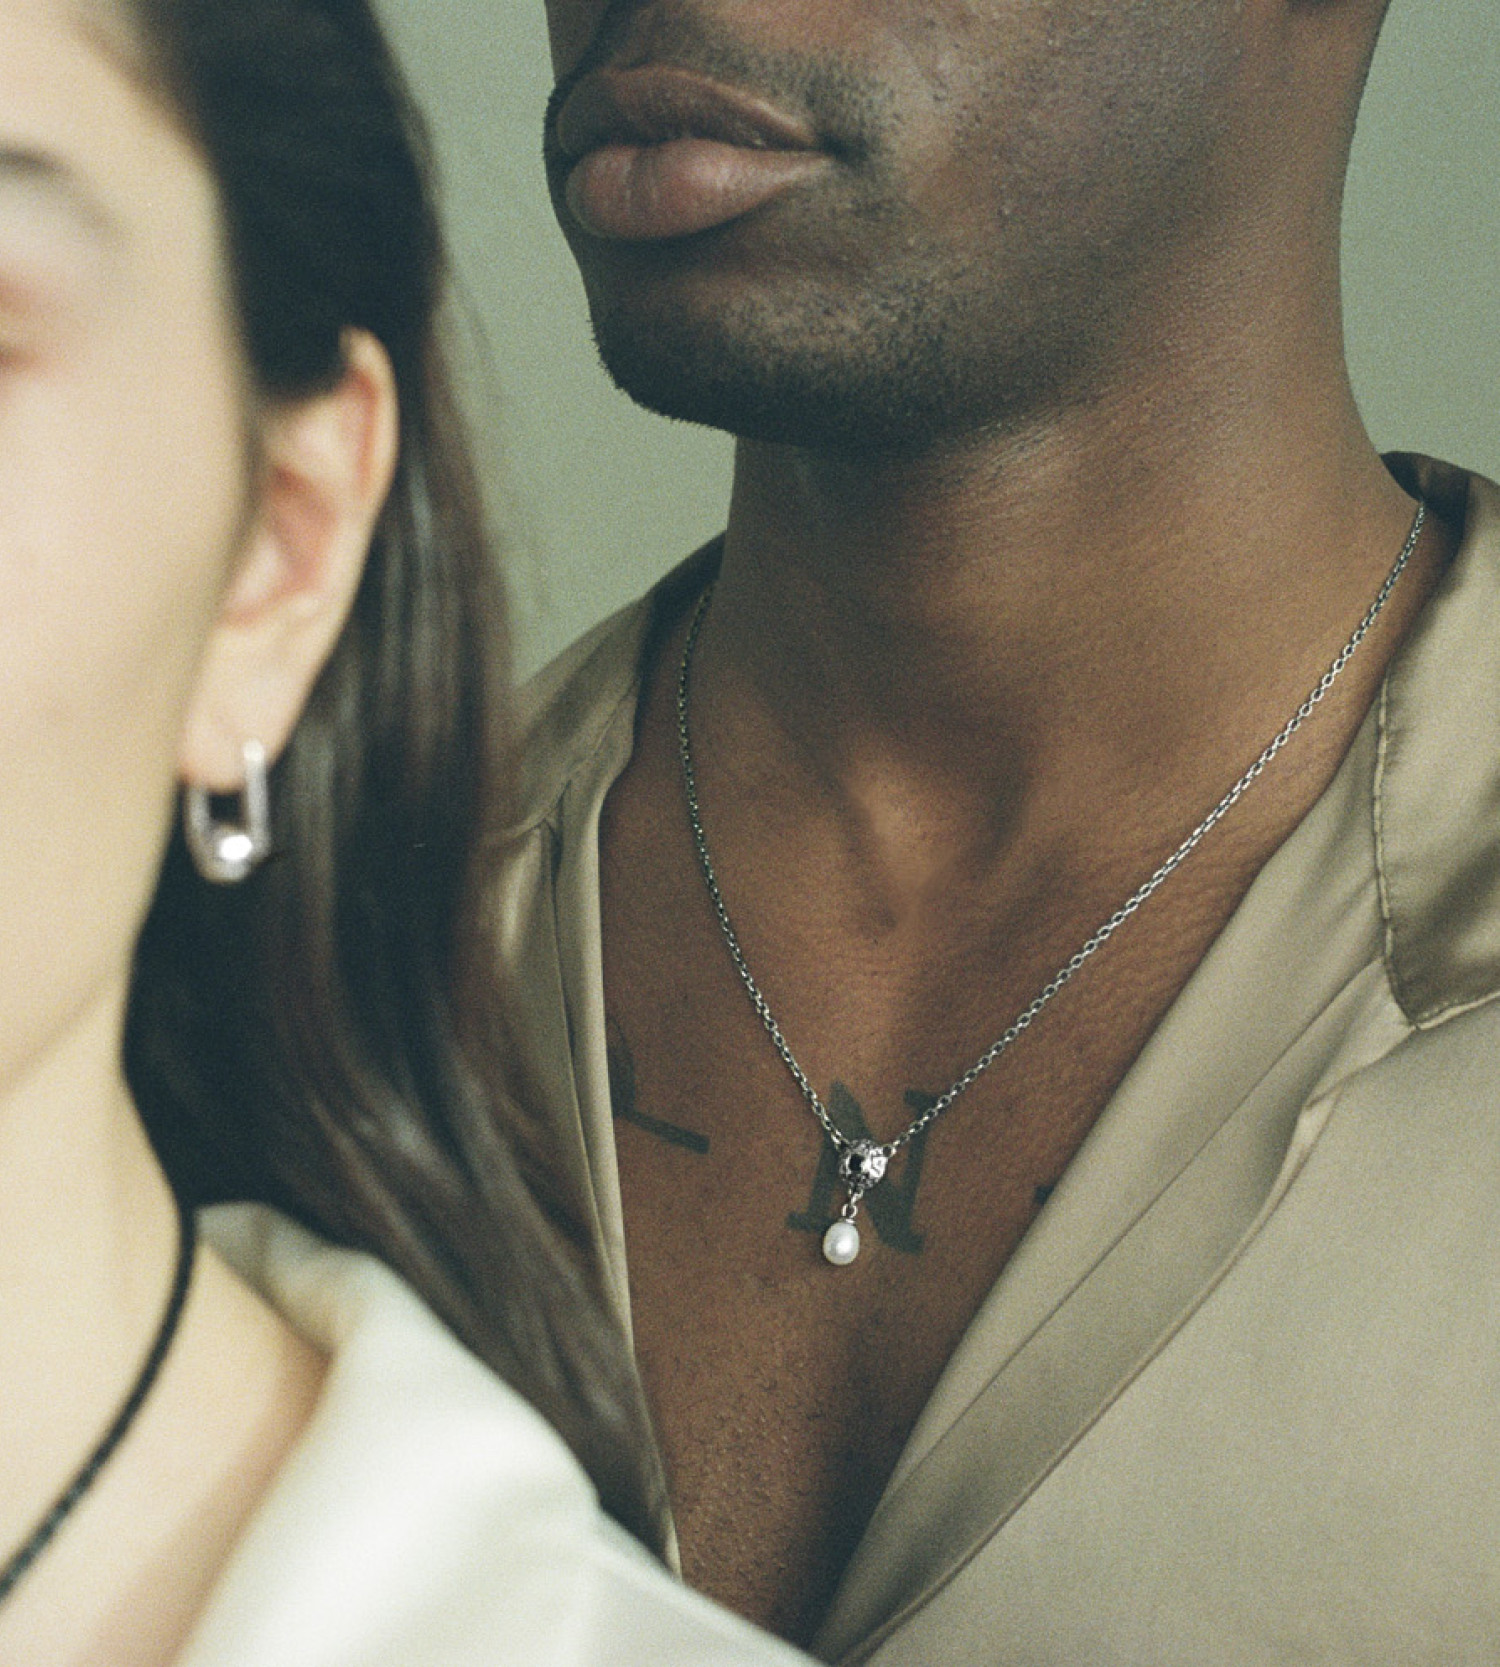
column 862, row 1165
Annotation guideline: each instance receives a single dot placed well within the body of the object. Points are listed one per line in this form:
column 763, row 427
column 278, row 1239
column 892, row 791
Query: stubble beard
column 858, row 322
column 903, row 364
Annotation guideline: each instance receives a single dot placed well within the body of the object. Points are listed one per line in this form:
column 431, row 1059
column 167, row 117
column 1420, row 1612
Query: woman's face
column 123, row 492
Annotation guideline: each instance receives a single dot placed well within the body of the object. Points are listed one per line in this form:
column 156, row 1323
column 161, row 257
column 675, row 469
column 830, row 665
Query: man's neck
column 1114, row 603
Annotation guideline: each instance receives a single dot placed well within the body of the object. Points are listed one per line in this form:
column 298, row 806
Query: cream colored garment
column 428, row 1517
column 1236, row 1398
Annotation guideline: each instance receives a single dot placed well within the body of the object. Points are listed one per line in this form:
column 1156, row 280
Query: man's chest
column 784, row 1389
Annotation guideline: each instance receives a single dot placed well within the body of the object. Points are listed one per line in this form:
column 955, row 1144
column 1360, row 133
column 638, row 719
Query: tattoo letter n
column 890, row 1205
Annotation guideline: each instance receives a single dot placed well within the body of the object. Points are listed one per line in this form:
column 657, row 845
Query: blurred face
column 123, row 486
column 878, row 222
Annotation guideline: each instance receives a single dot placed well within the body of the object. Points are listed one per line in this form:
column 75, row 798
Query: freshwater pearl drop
column 841, row 1243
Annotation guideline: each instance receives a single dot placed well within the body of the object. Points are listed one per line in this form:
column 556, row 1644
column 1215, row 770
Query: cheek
column 119, row 493
column 1068, row 129
column 119, row 496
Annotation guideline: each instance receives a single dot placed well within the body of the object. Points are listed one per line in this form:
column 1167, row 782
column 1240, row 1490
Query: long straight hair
column 325, row 1036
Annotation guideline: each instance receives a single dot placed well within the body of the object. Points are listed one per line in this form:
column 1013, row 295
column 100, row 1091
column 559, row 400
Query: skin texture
column 1000, row 186
column 172, row 574
column 1051, row 504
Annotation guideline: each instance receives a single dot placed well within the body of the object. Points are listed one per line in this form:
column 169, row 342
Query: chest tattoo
column 892, row 1204
column 891, row 1207
column 626, row 1104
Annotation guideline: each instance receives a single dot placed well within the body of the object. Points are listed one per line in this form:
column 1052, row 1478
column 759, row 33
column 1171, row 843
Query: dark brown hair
column 324, row 1037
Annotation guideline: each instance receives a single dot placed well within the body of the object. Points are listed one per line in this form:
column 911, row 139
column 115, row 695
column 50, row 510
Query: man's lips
column 659, row 152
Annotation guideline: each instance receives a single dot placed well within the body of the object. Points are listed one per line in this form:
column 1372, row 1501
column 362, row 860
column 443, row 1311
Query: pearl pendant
column 841, row 1243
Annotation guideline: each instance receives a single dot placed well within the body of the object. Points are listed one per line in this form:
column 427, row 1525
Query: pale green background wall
column 598, row 498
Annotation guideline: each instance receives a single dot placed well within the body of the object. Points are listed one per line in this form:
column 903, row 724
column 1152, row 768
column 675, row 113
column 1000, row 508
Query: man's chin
column 744, row 413
column 803, row 403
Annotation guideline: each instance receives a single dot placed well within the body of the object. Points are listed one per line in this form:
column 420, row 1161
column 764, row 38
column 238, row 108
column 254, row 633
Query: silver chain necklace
column 863, row 1163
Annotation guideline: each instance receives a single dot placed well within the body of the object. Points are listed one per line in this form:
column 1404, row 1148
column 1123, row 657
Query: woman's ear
column 325, row 467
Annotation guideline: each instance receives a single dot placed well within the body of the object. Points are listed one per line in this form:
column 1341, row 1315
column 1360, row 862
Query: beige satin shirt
column 428, row 1517
column 1236, row 1398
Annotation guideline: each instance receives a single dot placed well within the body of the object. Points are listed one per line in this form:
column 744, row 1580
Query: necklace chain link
column 1085, row 952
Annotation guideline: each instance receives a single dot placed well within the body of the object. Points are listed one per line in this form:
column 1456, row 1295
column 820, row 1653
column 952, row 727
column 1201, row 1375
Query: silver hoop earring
column 227, row 852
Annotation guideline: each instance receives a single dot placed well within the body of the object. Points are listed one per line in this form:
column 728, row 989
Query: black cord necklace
column 39, row 1538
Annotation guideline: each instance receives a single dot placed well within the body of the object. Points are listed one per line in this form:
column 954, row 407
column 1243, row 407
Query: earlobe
column 325, row 468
